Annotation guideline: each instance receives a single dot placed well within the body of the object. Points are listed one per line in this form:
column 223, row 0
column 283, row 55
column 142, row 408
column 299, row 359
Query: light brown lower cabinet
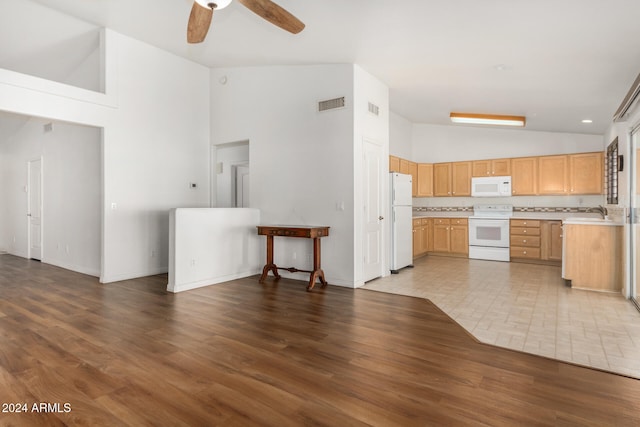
column 593, row 257
column 421, row 233
column 451, row 235
column 536, row 241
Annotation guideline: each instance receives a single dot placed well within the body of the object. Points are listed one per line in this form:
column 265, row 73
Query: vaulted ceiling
column 556, row 62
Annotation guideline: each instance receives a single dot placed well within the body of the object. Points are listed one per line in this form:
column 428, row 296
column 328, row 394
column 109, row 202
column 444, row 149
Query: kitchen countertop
column 592, row 221
column 549, row 216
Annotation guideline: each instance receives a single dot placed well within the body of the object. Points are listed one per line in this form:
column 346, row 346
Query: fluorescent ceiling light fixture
column 487, row 119
column 216, row 4
column 587, row 121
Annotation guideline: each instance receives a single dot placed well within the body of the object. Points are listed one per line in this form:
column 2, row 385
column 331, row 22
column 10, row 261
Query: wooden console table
column 304, row 231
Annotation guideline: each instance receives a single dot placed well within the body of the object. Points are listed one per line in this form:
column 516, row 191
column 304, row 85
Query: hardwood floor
column 241, row 353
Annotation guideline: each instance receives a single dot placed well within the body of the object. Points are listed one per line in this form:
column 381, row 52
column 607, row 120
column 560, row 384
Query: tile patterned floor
column 528, row 308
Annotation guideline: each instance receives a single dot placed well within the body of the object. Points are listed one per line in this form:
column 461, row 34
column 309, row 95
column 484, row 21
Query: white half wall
column 209, row 246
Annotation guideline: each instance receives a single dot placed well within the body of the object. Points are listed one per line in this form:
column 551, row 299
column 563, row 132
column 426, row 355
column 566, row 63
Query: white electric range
column 489, row 232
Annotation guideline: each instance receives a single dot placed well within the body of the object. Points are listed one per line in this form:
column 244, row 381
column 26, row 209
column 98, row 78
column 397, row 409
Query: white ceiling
column 555, row 61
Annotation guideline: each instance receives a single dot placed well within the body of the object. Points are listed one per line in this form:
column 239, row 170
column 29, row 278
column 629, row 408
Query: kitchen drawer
column 525, row 231
column 441, row 221
column 459, row 221
column 417, row 222
column 526, row 241
column 525, row 223
column 424, row 221
column 519, row 252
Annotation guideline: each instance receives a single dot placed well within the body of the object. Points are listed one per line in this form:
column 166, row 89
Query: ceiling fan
column 202, row 12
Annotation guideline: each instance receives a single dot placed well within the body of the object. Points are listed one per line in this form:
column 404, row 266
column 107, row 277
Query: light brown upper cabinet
column 496, row 167
column 461, row 179
column 571, row 174
column 400, row 165
column 524, row 176
column 553, row 174
column 394, row 164
column 452, row 179
column 586, row 173
column 425, row 179
column 413, row 171
column 404, row 166
column 442, row 179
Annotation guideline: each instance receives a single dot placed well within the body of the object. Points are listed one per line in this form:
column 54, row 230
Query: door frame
column 28, row 214
column 236, row 186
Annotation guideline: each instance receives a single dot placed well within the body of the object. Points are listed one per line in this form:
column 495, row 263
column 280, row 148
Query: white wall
column 301, row 159
column 40, row 41
column 71, row 189
column 438, row 143
column 400, row 136
column 155, row 142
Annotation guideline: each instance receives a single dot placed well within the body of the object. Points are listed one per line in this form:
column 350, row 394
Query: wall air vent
column 374, row 109
column 331, row 104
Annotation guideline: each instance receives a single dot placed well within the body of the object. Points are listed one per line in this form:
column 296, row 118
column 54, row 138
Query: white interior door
column 373, row 213
column 34, row 210
column 242, row 186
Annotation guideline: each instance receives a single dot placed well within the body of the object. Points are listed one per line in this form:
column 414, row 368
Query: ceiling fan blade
column 199, row 22
column 274, row 14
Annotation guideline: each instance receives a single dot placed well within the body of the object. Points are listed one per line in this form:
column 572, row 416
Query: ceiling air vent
column 374, row 109
column 331, row 104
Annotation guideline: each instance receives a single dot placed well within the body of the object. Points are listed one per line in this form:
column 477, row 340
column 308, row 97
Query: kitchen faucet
column 601, row 210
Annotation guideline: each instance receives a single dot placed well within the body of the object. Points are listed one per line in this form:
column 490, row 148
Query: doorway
column 241, row 186
column 34, row 209
column 230, row 175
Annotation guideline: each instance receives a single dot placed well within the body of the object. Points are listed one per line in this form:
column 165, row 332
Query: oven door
column 489, row 232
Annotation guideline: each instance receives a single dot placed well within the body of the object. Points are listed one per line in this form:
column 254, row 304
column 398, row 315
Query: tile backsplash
column 615, row 213
column 515, row 209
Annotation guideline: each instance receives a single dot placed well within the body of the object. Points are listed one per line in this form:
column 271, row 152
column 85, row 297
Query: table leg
column 269, row 266
column 317, row 272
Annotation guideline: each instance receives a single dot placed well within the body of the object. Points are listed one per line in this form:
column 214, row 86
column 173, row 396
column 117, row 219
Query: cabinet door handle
column 524, row 241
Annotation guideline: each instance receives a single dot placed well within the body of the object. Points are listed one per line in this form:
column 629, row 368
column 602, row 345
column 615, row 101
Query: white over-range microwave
column 491, row 186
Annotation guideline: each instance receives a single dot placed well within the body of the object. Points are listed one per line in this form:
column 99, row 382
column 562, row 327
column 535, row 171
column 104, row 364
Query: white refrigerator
column 401, row 225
